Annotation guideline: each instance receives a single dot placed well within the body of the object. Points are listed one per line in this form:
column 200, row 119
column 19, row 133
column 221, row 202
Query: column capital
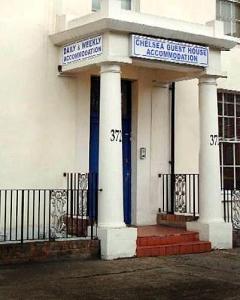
column 208, row 80
column 110, row 68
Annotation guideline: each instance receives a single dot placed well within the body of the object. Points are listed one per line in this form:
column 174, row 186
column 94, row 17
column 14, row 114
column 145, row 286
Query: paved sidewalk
column 214, row 275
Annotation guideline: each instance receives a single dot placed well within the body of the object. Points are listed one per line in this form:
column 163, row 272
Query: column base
column 117, row 242
column 218, row 233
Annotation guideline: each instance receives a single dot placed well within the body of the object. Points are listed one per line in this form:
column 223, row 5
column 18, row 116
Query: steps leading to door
column 162, row 241
column 174, row 220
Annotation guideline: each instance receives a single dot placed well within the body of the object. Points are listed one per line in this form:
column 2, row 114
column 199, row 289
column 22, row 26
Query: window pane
column 238, row 110
column 237, row 178
column 220, row 108
column 237, row 154
column 95, row 5
column 225, row 10
column 237, row 12
column 238, row 99
column 220, row 153
column 238, row 128
column 218, row 10
column 236, row 29
column 221, row 170
column 229, row 109
column 219, row 97
column 220, row 131
column 228, row 98
column 126, row 4
column 229, row 128
column 228, row 178
column 227, row 154
column 227, row 27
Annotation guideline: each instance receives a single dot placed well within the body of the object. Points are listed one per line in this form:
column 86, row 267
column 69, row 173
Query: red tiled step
column 167, row 239
column 174, row 220
column 174, row 249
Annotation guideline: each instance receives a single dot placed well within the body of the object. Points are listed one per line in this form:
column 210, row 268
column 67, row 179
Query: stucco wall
column 187, row 10
column 44, row 119
column 187, row 127
column 231, row 64
column 37, row 115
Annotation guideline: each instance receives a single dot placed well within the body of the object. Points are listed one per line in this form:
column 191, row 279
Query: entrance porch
column 162, row 115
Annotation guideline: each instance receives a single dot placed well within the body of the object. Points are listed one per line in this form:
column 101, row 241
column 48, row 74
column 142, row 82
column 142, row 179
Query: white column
column 116, row 239
column 210, row 225
column 209, row 163
column 110, row 149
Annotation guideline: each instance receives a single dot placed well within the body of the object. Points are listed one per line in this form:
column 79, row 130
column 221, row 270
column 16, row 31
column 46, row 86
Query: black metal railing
column 85, row 181
column 46, row 214
column 231, row 207
column 179, row 193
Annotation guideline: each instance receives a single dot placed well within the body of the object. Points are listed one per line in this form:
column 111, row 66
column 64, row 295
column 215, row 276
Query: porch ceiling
column 162, row 72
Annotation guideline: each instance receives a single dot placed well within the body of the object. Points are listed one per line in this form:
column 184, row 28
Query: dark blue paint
column 94, row 147
column 126, row 138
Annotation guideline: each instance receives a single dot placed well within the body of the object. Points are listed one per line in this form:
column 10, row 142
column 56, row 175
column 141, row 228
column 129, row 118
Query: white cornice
column 132, row 22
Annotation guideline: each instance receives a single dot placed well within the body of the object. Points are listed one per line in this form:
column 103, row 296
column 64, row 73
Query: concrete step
column 168, row 239
column 174, row 249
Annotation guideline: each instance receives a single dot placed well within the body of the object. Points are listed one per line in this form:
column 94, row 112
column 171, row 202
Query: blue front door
column 126, row 138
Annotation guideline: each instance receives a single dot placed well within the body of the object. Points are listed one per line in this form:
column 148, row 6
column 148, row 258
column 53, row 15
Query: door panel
column 126, row 133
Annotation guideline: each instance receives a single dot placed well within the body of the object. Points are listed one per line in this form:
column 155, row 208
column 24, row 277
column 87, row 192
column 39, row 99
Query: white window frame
column 230, row 141
column 233, row 21
column 135, row 5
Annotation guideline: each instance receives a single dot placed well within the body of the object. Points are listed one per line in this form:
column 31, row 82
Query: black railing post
column 11, row 200
column 198, row 194
column 167, row 204
column 163, row 189
column 224, row 205
column 194, row 199
column 5, row 217
column 49, row 216
column 172, row 149
column 172, row 193
column 67, row 214
column 22, row 218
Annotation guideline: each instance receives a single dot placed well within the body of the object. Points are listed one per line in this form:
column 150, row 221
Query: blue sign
column 82, row 50
column 169, row 51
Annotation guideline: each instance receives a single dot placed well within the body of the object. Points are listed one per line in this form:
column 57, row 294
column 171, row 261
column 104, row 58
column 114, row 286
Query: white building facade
column 87, row 86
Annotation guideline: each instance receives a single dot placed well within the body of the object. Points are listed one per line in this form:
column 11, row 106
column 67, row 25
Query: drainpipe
column 172, row 147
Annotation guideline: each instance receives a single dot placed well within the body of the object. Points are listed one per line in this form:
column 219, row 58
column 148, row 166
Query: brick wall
column 236, row 238
column 41, row 251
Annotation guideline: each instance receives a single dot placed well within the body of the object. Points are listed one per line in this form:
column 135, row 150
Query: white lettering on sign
column 82, row 50
column 170, row 51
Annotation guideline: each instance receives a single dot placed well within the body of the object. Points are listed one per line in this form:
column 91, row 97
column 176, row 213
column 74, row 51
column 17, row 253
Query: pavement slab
column 214, row 275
